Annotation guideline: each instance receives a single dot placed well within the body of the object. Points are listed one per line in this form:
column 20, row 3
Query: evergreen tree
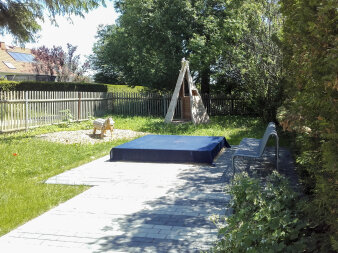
column 20, row 18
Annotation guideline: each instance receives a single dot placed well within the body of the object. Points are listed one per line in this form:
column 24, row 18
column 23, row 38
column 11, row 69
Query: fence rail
column 157, row 105
column 26, row 109
column 147, row 104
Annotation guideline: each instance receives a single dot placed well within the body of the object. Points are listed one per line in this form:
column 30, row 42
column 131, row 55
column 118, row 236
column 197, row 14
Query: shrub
column 265, row 218
column 8, row 85
column 310, row 109
column 125, row 88
column 67, row 86
column 52, row 86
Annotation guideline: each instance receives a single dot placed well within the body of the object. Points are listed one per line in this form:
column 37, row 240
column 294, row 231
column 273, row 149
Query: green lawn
column 27, row 161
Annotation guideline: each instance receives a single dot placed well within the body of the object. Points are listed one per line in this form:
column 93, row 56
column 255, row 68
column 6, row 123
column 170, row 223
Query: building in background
column 18, row 64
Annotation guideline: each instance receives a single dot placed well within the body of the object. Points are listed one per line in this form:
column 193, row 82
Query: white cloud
column 80, row 33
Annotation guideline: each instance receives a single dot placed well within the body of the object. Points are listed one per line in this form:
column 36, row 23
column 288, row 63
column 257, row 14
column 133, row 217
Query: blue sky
column 81, row 33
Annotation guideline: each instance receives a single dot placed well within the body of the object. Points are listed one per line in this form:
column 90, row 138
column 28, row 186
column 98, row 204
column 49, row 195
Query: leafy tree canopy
column 21, row 17
column 65, row 65
column 229, row 44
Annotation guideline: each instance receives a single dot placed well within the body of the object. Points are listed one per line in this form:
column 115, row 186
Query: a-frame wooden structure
column 192, row 108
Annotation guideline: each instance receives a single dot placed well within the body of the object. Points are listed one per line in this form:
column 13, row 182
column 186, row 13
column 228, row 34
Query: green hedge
column 310, row 109
column 52, row 86
column 125, row 88
column 8, row 85
column 56, row 86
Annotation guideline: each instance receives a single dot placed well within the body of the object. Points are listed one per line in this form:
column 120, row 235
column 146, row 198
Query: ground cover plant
column 276, row 222
column 27, row 161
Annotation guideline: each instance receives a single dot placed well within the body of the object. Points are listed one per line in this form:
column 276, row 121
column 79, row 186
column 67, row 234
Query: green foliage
column 251, row 60
column 51, row 86
column 68, row 117
column 60, row 86
column 8, row 85
column 232, row 43
column 125, row 88
column 310, row 110
column 21, row 18
column 123, row 56
column 266, row 218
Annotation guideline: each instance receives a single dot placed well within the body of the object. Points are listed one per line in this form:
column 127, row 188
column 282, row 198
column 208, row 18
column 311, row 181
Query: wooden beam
column 173, row 103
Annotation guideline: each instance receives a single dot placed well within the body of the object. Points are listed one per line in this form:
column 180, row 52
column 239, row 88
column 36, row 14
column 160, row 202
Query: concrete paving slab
column 132, row 207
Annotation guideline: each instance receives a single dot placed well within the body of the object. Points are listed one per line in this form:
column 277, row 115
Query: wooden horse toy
column 104, row 125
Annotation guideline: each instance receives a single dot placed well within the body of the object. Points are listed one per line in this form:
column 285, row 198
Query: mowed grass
column 234, row 128
column 26, row 161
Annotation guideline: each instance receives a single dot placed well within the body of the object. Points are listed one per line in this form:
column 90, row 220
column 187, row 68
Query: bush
column 52, row 86
column 310, row 109
column 265, row 218
column 7, row 85
column 125, row 88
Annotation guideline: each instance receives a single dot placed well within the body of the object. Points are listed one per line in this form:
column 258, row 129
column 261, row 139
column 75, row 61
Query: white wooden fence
column 25, row 109
column 143, row 104
column 125, row 103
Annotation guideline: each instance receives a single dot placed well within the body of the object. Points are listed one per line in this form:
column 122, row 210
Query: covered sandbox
column 170, row 148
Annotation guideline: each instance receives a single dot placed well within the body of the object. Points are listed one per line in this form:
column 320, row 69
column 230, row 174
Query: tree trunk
column 205, row 81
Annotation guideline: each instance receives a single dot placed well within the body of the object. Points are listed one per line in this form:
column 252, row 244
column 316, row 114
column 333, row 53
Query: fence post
column 26, row 116
column 107, row 100
column 111, row 100
column 79, row 106
column 164, row 105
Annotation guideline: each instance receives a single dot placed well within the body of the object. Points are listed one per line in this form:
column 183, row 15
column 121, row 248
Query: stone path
column 133, row 207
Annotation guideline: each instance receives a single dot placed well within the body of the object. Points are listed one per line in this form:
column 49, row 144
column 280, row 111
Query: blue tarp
column 170, row 148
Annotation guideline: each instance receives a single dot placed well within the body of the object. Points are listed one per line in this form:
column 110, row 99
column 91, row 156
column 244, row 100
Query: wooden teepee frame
column 192, row 108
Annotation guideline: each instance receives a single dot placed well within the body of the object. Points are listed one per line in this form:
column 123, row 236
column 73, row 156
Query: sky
column 81, row 33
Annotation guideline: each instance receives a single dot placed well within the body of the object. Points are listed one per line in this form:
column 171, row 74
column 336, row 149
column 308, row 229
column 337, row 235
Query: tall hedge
column 52, row 86
column 311, row 63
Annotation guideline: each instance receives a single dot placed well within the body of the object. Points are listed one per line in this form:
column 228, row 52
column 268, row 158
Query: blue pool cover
column 170, row 148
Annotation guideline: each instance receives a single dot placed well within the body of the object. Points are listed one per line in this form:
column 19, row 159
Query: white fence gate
column 25, row 109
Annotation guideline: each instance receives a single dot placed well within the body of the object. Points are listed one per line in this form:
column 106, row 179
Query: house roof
column 16, row 60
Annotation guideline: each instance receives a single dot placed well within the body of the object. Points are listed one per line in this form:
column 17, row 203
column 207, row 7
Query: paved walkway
column 132, row 207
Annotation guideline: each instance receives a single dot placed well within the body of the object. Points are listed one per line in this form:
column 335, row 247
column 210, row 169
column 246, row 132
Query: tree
column 49, row 61
column 56, row 62
column 20, row 18
column 228, row 43
column 110, row 56
column 252, row 57
column 150, row 39
column 310, row 110
column 145, row 47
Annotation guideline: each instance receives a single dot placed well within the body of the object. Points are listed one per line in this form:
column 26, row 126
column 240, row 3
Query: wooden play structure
column 103, row 125
column 192, row 108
